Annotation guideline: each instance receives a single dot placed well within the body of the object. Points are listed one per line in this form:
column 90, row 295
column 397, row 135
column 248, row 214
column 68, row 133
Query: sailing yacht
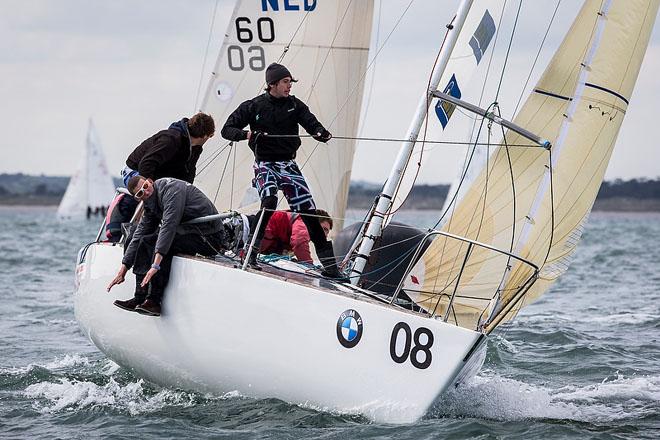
column 90, row 189
column 288, row 333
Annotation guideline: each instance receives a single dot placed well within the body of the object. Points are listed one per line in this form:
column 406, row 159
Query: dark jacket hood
column 181, row 126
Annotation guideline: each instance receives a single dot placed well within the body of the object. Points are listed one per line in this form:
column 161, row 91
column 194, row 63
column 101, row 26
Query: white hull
column 225, row 330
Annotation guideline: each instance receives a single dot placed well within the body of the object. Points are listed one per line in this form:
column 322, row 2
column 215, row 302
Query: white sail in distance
column 325, row 45
column 91, row 185
column 532, row 202
column 473, row 46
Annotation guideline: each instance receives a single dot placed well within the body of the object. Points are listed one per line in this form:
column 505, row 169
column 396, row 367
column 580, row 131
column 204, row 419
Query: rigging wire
column 468, row 153
column 429, row 98
column 212, row 156
column 288, row 46
column 357, row 84
column 490, row 60
column 536, row 58
column 373, row 74
column 377, row 139
column 451, row 205
column 206, row 52
column 366, row 70
column 508, row 50
column 330, row 47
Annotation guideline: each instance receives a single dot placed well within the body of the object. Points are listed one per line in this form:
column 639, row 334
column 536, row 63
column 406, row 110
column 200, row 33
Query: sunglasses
column 140, row 192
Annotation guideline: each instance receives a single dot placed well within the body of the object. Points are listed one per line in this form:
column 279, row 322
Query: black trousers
column 190, row 244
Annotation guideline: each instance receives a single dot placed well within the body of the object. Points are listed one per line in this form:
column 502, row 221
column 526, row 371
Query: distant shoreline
column 635, row 195
column 613, row 204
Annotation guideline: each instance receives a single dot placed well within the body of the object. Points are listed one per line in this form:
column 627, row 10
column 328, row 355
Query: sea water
column 582, row 362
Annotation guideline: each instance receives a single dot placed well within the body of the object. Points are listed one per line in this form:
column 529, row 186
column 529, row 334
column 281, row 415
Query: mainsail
column 325, row 45
column 91, row 186
column 531, row 202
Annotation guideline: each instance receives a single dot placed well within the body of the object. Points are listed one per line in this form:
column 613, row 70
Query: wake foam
column 130, row 397
column 498, row 398
column 134, row 398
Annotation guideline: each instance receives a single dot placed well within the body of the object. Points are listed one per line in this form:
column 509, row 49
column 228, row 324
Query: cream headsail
column 532, row 202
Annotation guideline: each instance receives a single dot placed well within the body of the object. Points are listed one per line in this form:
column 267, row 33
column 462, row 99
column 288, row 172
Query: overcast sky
column 135, row 66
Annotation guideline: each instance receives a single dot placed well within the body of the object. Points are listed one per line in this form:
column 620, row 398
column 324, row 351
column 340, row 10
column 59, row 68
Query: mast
column 384, row 203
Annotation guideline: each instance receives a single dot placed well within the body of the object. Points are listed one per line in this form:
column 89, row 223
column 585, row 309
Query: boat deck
column 305, row 275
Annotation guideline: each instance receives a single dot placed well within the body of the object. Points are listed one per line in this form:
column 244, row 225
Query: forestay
column 325, row 45
column 469, row 56
column 91, row 184
column 532, row 202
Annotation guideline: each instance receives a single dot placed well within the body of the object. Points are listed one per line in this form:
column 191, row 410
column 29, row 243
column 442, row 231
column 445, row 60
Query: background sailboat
column 91, row 188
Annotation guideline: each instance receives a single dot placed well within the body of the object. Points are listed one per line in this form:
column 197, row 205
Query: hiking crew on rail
column 277, row 112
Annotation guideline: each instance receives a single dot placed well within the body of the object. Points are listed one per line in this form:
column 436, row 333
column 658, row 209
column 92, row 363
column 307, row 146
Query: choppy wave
column 68, row 361
column 624, row 318
column 549, row 373
column 74, row 394
column 500, row 398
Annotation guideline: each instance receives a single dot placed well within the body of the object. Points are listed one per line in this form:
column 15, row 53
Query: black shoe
column 129, row 304
column 252, row 261
column 148, row 307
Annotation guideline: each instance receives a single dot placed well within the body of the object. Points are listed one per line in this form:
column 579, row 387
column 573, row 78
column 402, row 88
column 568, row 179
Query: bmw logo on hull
column 349, row 328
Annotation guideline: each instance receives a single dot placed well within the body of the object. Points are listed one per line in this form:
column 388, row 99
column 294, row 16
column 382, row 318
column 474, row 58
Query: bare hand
column 119, row 278
column 148, row 277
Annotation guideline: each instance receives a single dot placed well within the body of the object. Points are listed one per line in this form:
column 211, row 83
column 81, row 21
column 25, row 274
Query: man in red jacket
column 286, row 232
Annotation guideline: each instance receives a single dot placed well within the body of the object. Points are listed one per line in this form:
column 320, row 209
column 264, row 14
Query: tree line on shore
column 29, row 189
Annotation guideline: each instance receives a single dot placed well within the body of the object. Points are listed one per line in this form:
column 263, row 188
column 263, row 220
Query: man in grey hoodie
column 162, row 233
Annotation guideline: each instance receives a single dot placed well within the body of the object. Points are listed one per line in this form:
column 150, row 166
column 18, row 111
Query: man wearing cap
column 277, row 112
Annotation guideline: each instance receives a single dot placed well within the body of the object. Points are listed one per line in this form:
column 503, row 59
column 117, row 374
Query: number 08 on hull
column 319, row 346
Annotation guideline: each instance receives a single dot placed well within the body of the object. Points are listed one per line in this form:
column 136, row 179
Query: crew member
column 169, row 153
column 277, row 112
column 162, row 233
column 286, row 232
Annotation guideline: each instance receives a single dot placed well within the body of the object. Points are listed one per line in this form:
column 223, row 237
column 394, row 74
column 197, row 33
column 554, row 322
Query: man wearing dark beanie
column 277, row 112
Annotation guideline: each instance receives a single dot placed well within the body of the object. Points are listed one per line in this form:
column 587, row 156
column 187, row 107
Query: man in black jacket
column 277, row 112
column 173, row 152
column 162, row 233
column 169, row 153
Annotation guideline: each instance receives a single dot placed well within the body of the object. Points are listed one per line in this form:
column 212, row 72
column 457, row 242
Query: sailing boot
column 139, row 296
column 327, row 257
column 252, row 262
column 149, row 308
column 129, row 304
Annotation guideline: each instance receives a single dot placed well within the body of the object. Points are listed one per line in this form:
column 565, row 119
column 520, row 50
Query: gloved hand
column 254, row 138
column 324, row 136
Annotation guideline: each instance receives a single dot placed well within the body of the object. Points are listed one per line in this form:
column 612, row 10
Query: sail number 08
column 413, row 346
column 257, row 58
